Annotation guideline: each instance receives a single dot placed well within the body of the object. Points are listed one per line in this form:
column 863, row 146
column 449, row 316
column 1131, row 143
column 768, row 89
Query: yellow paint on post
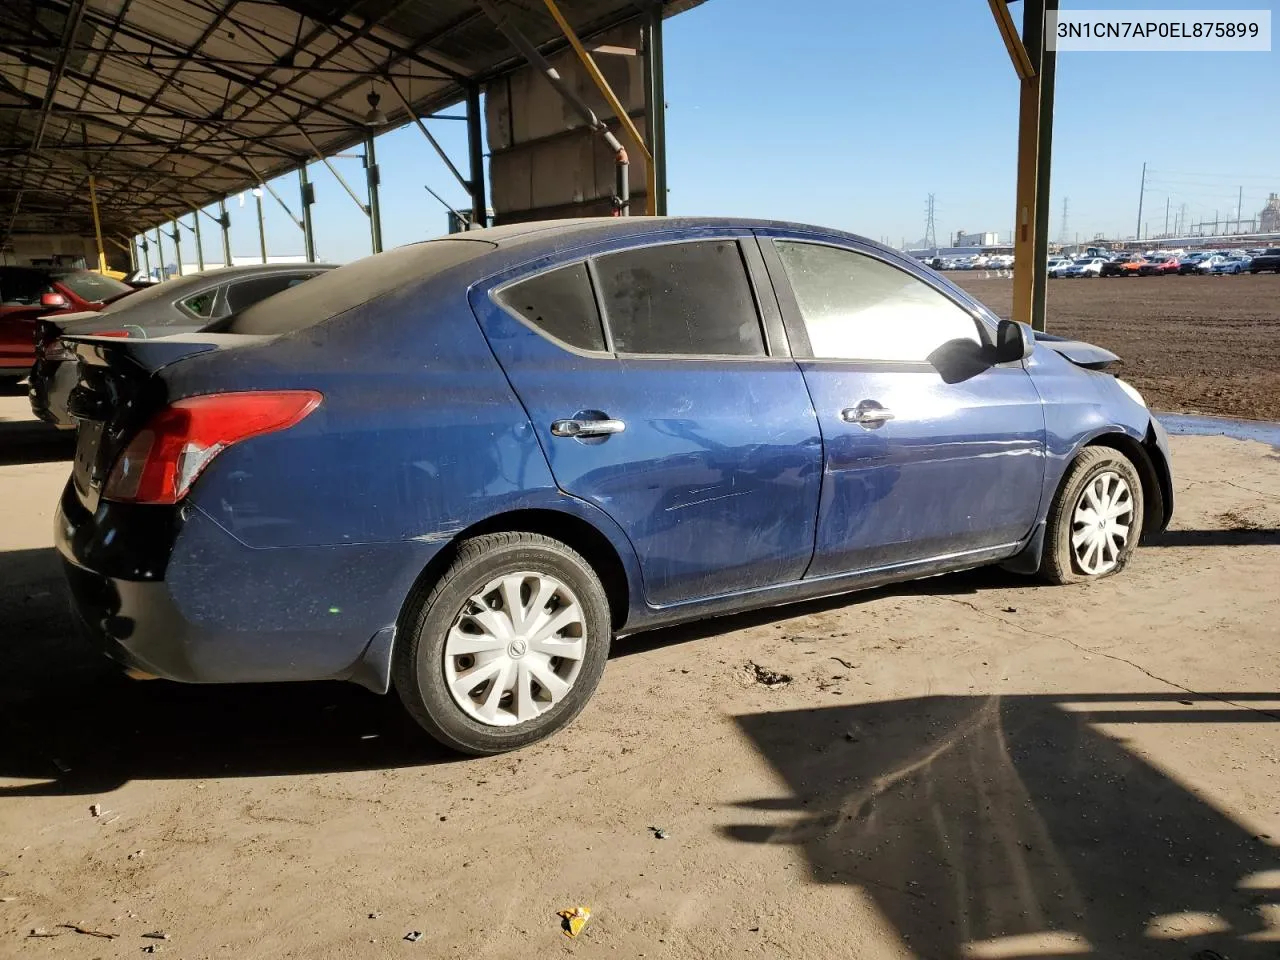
column 97, row 225
column 606, row 91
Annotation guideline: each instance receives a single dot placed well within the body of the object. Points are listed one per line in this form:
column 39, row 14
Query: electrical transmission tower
column 1063, row 235
column 930, row 231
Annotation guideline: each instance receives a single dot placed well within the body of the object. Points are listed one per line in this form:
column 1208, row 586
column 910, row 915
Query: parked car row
column 458, row 469
column 999, row 261
column 1130, row 264
column 40, row 306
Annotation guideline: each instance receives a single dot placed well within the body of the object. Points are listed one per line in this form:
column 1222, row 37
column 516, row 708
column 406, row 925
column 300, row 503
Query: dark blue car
column 461, row 467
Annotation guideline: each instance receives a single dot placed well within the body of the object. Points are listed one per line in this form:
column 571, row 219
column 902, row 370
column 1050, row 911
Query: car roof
column 584, row 228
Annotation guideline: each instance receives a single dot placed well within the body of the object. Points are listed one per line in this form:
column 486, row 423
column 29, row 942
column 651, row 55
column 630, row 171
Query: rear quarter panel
column 419, row 437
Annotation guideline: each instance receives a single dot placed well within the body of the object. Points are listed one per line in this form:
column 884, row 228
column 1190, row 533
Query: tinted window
column 93, row 287
column 681, row 298
column 561, row 303
column 857, row 308
column 248, row 292
column 20, row 287
column 202, row 303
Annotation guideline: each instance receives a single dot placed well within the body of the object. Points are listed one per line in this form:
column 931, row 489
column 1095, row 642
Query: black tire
column 418, row 664
column 1059, row 564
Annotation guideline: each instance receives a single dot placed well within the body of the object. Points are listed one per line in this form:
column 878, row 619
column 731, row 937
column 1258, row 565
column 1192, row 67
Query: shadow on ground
column 71, row 722
column 1010, row 827
column 32, row 441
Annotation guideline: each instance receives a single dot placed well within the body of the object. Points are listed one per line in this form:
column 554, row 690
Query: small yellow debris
column 574, row 920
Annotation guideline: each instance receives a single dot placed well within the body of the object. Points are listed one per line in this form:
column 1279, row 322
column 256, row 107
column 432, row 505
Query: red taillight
column 163, row 460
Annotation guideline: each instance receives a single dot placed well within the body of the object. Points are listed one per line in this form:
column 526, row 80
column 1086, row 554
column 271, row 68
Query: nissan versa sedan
column 459, row 469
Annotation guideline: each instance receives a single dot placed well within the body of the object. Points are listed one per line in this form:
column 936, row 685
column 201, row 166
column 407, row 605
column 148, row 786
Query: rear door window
column 681, row 299
column 559, row 303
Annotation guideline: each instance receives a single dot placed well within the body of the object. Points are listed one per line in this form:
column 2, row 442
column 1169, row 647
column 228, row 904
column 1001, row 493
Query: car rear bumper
column 168, row 591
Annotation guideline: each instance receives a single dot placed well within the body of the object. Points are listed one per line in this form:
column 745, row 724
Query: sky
column 849, row 113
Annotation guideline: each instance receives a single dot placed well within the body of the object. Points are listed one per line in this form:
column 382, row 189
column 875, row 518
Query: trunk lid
column 117, row 391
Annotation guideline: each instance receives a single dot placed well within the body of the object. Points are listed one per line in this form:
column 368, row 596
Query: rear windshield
column 92, row 287
column 165, row 290
column 337, row 291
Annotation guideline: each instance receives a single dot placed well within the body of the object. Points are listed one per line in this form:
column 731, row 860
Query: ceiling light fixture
column 375, row 117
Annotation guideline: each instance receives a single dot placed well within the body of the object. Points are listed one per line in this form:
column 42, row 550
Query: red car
column 1159, row 267
column 29, row 293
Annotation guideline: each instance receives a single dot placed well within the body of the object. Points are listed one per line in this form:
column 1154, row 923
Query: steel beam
column 656, row 106
column 372, row 179
column 262, row 227
column 413, row 115
column 164, row 274
column 475, row 153
column 611, row 98
column 195, row 217
column 1044, row 165
column 97, row 225
column 1035, row 109
column 225, row 219
column 74, row 14
column 308, row 194
column 177, row 244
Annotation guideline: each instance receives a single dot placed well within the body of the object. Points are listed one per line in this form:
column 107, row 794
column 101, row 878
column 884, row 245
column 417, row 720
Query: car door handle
column 586, row 428
column 866, row 414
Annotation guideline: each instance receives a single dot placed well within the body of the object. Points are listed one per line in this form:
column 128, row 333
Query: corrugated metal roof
column 173, row 104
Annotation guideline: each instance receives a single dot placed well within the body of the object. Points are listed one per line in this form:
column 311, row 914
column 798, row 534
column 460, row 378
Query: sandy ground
column 971, row 766
column 1208, row 345
column 1190, row 344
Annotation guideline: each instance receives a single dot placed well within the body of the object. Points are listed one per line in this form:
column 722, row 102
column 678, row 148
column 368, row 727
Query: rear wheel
column 1096, row 518
column 506, row 647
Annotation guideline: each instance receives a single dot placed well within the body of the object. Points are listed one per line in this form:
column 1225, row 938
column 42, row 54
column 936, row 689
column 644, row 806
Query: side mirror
column 53, row 301
column 1014, row 342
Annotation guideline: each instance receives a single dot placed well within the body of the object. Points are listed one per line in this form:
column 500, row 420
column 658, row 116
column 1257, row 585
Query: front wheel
column 1095, row 521
column 506, row 647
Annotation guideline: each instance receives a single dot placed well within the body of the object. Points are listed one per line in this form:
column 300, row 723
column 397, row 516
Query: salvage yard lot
column 966, row 766
column 1190, row 344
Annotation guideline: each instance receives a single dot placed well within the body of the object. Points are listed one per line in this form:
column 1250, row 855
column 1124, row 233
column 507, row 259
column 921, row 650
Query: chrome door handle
column 586, row 428
column 866, row 414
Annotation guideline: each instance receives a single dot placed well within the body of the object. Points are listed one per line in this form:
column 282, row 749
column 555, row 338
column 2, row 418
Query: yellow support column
column 97, row 225
column 1024, row 238
column 624, row 118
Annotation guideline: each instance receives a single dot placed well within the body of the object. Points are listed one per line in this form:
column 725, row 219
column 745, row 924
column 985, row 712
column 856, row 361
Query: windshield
column 92, row 287
column 174, row 289
column 337, row 291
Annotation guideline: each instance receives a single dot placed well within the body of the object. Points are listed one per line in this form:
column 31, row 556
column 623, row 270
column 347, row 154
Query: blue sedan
column 459, row 469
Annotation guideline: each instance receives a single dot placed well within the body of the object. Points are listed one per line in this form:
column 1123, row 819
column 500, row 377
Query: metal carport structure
column 148, row 110
column 164, row 107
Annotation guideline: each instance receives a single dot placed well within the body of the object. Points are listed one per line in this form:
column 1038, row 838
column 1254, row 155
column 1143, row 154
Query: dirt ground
column 965, row 767
column 1190, row 344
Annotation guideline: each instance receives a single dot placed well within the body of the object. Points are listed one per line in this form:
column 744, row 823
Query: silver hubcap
column 515, row 649
column 1101, row 522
